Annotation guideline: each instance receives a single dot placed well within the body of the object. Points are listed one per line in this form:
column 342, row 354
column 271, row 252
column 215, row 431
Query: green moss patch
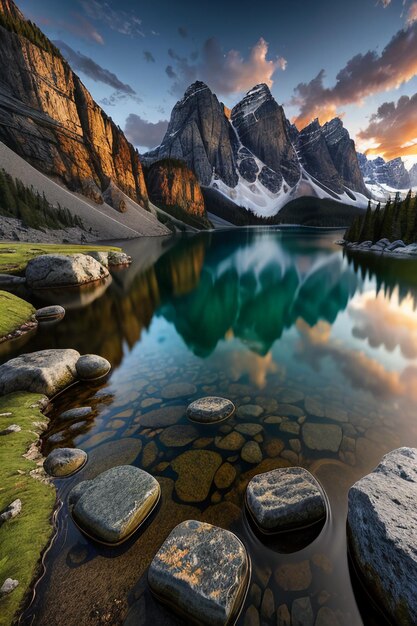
column 14, row 312
column 15, row 256
column 23, row 538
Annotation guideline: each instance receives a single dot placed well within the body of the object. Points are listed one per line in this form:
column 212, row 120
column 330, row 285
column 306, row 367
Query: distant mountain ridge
column 255, row 157
column 390, row 173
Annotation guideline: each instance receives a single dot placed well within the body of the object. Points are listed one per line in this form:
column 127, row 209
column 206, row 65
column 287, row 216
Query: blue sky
column 146, row 53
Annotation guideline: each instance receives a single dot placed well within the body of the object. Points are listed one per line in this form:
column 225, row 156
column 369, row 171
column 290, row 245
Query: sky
column 353, row 58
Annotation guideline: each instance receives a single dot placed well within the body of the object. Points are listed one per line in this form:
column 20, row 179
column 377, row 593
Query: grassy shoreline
column 14, row 313
column 15, row 256
column 23, row 538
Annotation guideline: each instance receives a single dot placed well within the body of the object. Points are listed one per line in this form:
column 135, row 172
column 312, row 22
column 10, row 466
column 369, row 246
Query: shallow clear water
column 276, row 319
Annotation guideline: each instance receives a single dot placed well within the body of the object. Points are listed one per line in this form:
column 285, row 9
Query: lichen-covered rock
column 63, row 270
column 46, row 372
column 210, row 410
column 92, row 366
column 111, row 506
column 285, row 499
column 64, row 461
column 382, row 526
column 202, row 572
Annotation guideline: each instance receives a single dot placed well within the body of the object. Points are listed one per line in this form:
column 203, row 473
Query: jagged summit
column 255, row 157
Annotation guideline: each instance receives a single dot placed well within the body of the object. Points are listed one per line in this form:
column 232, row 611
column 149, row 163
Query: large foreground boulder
column 63, row 270
column 46, row 372
column 110, row 507
column 201, row 571
column 382, row 526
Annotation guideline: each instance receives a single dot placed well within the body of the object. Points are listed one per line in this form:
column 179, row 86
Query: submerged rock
column 177, row 390
column 210, row 410
column 77, row 413
column 111, row 506
column 202, row 572
column 251, row 452
column 285, row 499
column 63, row 270
column 46, row 372
column 64, row 461
column 323, row 437
column 382, row 526
column 92, row 366
column 196, row 470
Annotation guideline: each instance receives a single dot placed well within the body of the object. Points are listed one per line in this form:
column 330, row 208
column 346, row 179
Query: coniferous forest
column 396, row 220
column 33, row 209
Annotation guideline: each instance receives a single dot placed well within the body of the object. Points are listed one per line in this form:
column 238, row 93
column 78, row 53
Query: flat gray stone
column 285, row 499
column 210, row 410
column 178, row 435
column 77, row 413
column 92, row 366
column 249, row 429
column 382, row 525
column 164, row 416
column 46, row 372
column 50, row 313
column 202, row 572
column 11, row 511
column 64, row 461
column 111, row 506
column 322, row 437
column 63, row 270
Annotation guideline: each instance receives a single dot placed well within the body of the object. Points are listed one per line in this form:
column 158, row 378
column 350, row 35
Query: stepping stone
column 210, row 410
column 92, row 366
column 382, row 529
column 110, row 507
column 63, row 462
column 202, row 573
column 50, row 313
column 285, row 499
column 77, row 413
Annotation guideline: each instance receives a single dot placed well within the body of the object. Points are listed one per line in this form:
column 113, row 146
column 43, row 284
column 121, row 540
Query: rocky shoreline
column 396, row 249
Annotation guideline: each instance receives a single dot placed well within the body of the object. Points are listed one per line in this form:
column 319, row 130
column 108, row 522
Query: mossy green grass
column 14, row 312
column 15, row 256
column 23, row 538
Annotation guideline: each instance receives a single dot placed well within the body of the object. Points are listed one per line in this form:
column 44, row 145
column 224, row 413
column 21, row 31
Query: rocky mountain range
column 390, row 173
column 255, row 158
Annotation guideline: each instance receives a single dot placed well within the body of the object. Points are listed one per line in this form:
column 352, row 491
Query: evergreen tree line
column 396, row 220
column 28, row 29
column 33, row 209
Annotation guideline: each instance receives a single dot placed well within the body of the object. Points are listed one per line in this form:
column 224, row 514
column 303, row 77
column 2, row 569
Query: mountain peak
column 195, row 88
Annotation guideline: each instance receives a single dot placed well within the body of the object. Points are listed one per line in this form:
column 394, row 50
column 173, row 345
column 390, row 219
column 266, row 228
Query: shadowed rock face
column 413, row 175
column 171, row 184
column 342, row 151
column 316, row 158
column 199, row 133
column 50, row 119
column 261, row 126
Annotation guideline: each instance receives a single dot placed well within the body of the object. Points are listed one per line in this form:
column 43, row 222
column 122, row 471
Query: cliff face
column 49, row 118
column 261, row 126
column 171, row 185
column 199, row 133
column 391, row 173
column 342, row 151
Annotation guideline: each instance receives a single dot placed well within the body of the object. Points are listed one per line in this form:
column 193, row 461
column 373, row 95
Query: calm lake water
column 324, row 347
